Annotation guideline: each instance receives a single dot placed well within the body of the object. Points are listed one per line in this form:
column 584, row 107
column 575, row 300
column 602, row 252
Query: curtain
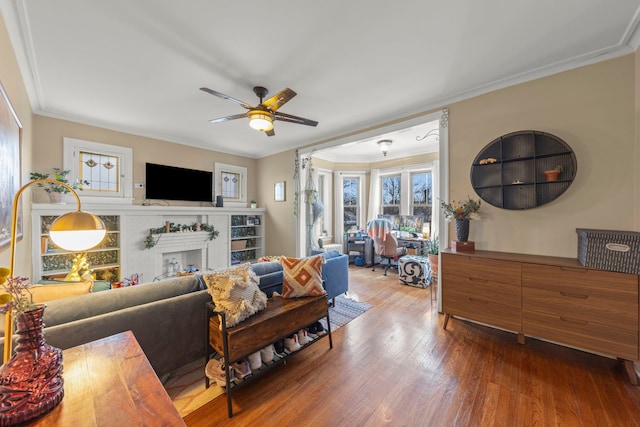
column 339, row 210
column 435, row 202
column 374, row 195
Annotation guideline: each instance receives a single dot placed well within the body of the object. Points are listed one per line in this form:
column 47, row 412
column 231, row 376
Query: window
column 100, row 171
column 406, row 192
column 106, row 168
column 231, row 183
column 350, row 199
column 422, row 195
column 391, row 193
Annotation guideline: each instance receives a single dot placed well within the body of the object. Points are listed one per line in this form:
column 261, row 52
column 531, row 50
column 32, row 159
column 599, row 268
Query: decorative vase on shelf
column 462, row 230
column 31, row 382
column 55, row 197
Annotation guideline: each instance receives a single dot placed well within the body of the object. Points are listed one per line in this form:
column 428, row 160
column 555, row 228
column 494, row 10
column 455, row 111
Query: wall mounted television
column 174, row 183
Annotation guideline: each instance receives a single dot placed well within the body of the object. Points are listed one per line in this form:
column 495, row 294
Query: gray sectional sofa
column 166, row 317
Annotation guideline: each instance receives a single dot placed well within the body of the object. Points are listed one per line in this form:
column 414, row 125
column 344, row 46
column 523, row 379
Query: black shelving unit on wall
column 509, row 172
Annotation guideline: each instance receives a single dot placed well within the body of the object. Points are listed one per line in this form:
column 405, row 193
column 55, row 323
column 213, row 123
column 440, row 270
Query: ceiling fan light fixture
column 384, row 145
column 260, row 120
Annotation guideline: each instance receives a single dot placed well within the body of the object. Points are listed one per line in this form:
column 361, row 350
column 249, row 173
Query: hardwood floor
column 395, row 365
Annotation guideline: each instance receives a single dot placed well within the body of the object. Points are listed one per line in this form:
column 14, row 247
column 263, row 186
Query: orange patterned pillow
column 302, row 277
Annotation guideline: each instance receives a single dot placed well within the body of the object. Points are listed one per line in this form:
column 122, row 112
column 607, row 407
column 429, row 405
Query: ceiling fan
column 262, row 116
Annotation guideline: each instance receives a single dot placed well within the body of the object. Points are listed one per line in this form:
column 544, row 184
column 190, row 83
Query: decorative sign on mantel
column 154, row 233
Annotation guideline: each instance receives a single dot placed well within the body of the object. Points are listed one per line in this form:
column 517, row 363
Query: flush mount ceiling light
column 260, row 120
column 384, row 145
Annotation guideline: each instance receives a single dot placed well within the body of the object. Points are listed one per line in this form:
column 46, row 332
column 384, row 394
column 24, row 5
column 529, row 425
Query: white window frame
column 71, row 149
column 406, row 188
column 327, row 214
column 242, row 171
column 339, row 211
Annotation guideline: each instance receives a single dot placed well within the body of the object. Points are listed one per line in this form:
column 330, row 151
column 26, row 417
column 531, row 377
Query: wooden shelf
column 515, row 178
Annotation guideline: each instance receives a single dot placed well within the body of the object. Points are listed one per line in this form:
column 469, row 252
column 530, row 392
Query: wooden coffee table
column 109, row 382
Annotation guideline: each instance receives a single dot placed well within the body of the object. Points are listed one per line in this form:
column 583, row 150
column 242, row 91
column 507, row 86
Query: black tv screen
column 173, row 183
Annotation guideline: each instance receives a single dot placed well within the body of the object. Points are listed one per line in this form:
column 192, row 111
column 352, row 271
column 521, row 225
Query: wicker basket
column 609, row 250
column 238, row 244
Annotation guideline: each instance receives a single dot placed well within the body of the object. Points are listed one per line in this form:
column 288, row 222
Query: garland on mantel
column 154, row 233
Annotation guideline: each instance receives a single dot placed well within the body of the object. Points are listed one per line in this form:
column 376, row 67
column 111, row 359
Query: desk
column 419, row 242
column 109, row 382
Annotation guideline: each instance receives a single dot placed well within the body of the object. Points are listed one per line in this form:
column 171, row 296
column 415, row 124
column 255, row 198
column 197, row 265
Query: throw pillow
column 235, row 293
column 302, row 277
column 44, row 293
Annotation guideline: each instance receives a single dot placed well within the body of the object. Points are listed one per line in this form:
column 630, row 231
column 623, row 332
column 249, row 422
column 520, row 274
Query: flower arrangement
column 461, row 209
column 17, row 295
column 59, row 175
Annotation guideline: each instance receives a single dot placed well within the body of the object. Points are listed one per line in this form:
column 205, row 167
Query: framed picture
column 10, row 134
column 256, row 221
column 250, row 221
column 279, row 194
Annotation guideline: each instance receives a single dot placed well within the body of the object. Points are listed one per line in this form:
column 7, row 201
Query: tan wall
column 281, row 235
column 15, row 88
column 49, row 134
column 593, row 109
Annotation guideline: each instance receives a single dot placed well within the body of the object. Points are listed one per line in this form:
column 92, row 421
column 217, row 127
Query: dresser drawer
column 583, row 305
column 576, row 279
column 582, row 294
column 482, row 290
column 482, row 310
column 587, row 335
column 481, row 268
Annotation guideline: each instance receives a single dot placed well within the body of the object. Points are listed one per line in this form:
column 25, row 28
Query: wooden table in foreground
column 109, row 382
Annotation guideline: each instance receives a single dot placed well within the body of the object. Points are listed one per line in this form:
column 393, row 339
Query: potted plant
column 432, row 250
column 553, row 174
column 57, row 192
column 254, row 204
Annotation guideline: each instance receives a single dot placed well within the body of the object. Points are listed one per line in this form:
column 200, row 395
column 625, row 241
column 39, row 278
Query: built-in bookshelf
column 246, row 238
column 104, row 259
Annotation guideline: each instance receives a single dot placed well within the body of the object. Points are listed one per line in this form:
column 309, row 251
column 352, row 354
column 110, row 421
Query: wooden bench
column 283, row 317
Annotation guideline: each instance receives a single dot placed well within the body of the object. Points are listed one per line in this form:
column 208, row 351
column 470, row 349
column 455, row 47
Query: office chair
column 388, row 250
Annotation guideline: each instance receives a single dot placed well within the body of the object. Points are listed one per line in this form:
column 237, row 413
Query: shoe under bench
column 282, row 317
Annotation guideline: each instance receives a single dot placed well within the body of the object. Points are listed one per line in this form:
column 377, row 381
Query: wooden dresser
column 551, row 298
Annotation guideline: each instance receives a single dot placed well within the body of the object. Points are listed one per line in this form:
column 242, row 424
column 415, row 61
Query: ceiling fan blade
column 227, row 97
column 227, row 118
column 294, row 119
column 279, row 99
column 270, row 132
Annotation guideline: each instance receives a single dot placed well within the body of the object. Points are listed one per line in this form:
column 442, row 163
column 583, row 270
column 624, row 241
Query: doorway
column 428, row 130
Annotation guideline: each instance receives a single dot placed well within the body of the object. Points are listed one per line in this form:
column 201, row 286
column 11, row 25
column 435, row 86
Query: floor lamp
column 73, row 231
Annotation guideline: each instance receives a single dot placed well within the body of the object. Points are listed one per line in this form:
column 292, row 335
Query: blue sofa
column 335, row 274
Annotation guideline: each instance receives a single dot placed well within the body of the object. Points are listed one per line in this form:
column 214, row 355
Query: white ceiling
column 137, row 66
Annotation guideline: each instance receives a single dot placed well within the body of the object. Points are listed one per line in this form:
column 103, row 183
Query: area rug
column 186, row 388
column 345, row 311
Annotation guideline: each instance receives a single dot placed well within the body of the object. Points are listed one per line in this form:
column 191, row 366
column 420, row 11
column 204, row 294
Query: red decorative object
column 31, row 381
